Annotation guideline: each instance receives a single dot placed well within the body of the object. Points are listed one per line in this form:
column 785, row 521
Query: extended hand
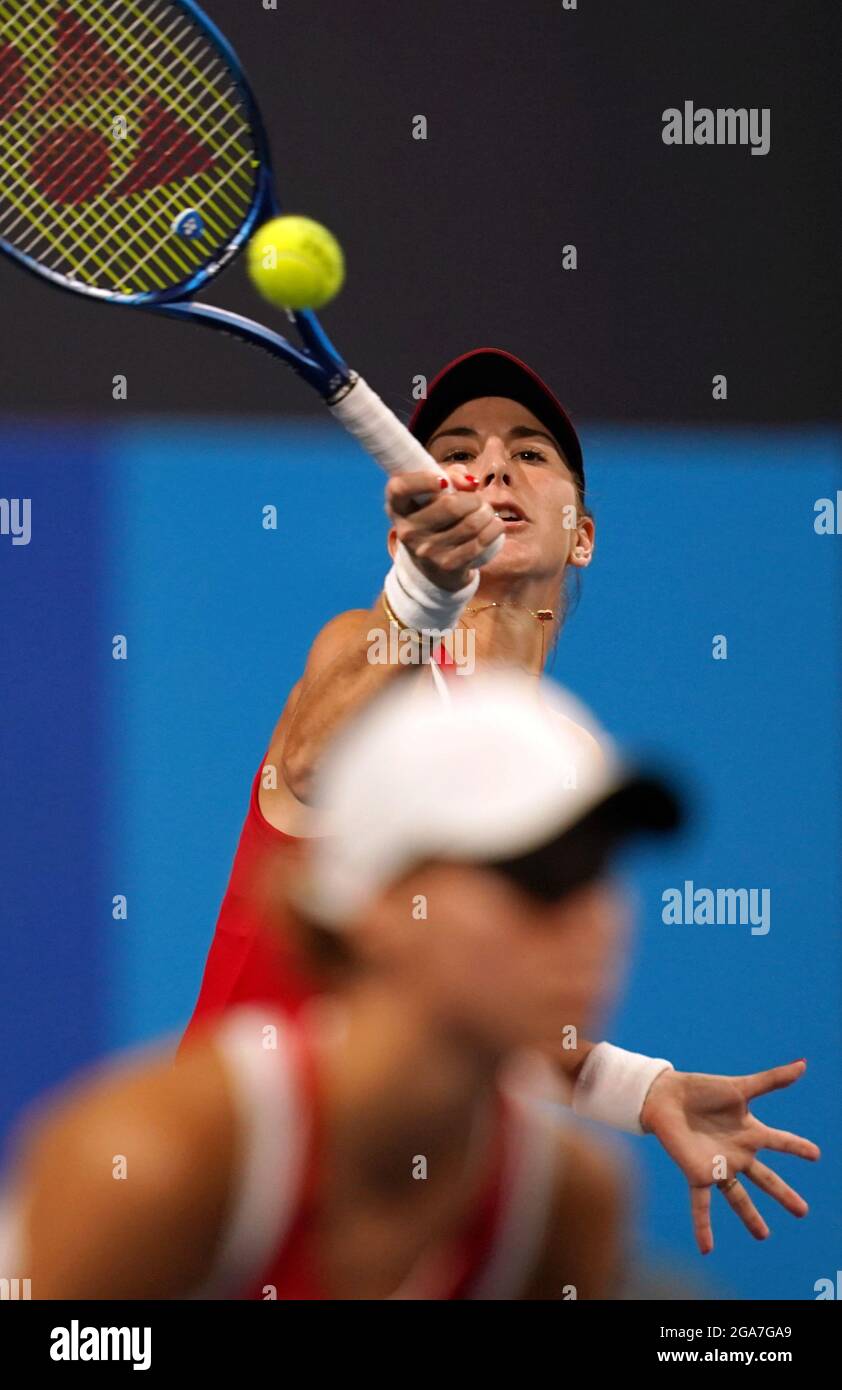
column 704, row 1123
column 447, row 536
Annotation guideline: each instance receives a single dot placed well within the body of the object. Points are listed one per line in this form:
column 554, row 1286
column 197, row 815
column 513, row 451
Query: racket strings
column 78, row 75
column 169, row 155
column 92, row 79
column 101, row 211
column 71, row 58
column 63, row 189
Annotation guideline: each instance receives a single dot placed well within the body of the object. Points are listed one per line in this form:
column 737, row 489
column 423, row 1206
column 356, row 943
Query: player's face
column 522, row 473
column 512, row 971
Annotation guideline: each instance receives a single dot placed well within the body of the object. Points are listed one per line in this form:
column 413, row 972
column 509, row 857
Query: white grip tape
column 613, row 1084
column 389, row 442
column 381, row 433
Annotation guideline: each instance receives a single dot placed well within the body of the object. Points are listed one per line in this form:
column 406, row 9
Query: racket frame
column 319, row 362
column 351, row 400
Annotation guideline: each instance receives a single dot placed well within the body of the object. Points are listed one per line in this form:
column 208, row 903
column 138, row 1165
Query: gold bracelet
column 393, row 618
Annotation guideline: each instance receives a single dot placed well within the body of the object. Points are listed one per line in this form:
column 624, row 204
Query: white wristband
column 613, row 1084
column 419, row 603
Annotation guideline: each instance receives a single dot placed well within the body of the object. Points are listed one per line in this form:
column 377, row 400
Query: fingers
column 700, row 1214
column 450, row 533
column 403, row 489
column 740, row 1202
column 461, row 478
column 769, row 1182
column 441, row 512
column 785, row 1143
column 775, row 1079
column 449, row 558
column 453, row 518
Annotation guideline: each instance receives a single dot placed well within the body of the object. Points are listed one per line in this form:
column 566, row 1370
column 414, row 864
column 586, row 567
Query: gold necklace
column 542, row 615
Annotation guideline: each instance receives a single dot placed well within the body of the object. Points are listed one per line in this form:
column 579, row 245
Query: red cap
column 493, row 372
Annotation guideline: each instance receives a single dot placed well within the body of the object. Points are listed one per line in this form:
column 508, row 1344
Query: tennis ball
column 295, row 263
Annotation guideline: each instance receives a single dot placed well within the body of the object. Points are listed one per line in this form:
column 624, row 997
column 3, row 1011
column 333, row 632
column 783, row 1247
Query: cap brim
column 581, row 852
column 494, row 372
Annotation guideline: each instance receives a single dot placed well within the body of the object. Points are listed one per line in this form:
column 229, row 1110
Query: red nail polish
column 443, row 483
column 469, row 477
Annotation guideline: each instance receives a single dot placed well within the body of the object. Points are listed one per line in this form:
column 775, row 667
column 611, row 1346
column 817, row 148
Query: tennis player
column 515, row 469
column 528, row 484
column 396, row 1141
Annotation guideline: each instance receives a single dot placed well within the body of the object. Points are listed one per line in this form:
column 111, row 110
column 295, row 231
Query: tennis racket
column 134, row 167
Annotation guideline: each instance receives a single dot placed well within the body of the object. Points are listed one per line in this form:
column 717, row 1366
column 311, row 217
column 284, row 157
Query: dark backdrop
column 544, row 129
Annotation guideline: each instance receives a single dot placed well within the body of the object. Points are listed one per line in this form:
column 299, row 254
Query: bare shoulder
column 326, row 646
column 123, row 1183
column 585, row 1233
column 331, row 639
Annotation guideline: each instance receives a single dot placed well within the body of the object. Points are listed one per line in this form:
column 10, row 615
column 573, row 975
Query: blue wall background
column 133, row 777
column 54, row 675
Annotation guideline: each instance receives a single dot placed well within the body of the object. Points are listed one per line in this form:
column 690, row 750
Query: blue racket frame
column 319, row 363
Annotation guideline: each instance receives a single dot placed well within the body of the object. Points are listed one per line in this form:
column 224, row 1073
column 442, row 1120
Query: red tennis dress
column 248, row 962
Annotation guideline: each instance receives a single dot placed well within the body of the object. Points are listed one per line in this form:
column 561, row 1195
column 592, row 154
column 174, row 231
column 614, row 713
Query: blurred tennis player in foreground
column 516, row 468
column 397, row 1140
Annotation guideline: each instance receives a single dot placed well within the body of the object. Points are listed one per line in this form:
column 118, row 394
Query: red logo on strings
column 72, row 164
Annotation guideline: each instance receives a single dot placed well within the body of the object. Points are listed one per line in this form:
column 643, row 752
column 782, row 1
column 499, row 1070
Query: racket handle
column 389, row 442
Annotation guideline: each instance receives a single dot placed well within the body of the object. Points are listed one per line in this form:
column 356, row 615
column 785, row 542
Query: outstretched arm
column 702, row 1121
column 443, row 539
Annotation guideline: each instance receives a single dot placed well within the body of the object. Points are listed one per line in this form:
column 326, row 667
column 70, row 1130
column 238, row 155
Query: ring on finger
column 727, row 1184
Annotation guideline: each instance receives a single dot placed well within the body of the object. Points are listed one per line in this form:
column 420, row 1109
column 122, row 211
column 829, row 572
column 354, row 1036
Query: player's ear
column 392, row 542
column 581, row 552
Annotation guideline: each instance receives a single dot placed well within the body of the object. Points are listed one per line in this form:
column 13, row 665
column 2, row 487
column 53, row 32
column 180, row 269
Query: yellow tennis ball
column 296, row 263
